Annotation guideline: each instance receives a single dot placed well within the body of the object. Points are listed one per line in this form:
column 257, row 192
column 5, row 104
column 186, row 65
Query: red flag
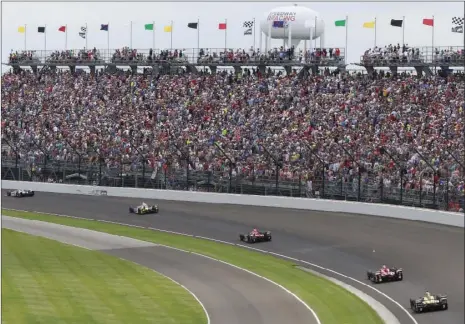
column 222, row 26
column 428, row 22
column 62, row 29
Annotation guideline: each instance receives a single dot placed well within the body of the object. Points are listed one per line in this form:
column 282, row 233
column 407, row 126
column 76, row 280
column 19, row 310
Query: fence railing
column 359, row 187
column 147, row 57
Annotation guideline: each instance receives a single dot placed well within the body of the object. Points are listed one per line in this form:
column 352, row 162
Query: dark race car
column 144, row 209
column 256, row 236
column 20, row 193
column 392, row 274
column 429, row 303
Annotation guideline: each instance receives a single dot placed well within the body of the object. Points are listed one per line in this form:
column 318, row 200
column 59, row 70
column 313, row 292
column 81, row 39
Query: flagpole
column 225, row 33
column 153, row 37
column 198, row 36
column 108, row 39
column 66, row 37
column 432, row 43
column 403, row 32
column 314, row 34
column 130, row 38
column 375, row 31
column 86, row 38
column 25, row 37
column 45, row 40
column 345, row 50
column 171, row 34
column 254, row 29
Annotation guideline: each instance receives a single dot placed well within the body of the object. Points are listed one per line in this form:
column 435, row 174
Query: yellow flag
column 370, row 24
column 21, row 29
column 167, row 29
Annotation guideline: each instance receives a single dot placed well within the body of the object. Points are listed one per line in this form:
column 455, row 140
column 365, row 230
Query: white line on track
column 246, row 247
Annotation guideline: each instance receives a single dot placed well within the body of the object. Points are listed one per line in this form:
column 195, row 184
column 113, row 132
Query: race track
column 431, row 255
column 230, row 295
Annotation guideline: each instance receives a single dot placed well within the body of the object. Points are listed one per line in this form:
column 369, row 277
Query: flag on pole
column 340, row 23
column 370, row 24
column 222, row 26
column 148, row 26
column 248, row 24
column 83, row 32
column 193, row 25
column 397, row 22
column 428, row 22
column 458, row 22
column 21, row 29
column 62, row 29
column 104, row 27
column 168, row 29
column 41, row 29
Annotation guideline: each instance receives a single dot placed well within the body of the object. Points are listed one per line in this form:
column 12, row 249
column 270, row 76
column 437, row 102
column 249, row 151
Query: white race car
column 20, row 193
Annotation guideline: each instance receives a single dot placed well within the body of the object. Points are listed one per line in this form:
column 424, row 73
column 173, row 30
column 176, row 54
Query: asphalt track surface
column 230, row 295
column 431, row 255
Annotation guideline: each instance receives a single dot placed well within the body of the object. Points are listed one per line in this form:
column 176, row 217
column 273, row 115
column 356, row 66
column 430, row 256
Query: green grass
column 44, row 281
column 332, row 303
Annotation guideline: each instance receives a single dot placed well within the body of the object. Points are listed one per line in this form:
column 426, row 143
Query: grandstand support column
column 393, row 69
column 34, row 69
column 133, row 69
column 315, row 69
column 213, row 69
column 419, row 70
column 72, row 69
column 288, row 69
column 260, row 41
column 92, row 69
column 262, row 69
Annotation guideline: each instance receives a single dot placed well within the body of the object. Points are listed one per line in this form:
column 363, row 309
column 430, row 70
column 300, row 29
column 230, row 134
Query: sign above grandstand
column 282, row 16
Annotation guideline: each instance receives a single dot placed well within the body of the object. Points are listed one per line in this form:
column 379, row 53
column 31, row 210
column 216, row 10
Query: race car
column 256, row 236
column 144, row 209
column 429, row 303
column 20, row 193
column 385, row 274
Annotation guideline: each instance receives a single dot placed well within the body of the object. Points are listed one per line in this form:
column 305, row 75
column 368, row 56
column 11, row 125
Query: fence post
column 434, row 175
column 359, row 168
column 278, row 164
column 323, row 165
column 383, row 150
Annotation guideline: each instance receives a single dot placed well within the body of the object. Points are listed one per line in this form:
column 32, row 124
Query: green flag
column 148, row 26
column 340, row 23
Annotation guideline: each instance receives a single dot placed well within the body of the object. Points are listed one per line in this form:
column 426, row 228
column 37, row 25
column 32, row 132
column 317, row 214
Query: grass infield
column 44, row 281
column 332, row 303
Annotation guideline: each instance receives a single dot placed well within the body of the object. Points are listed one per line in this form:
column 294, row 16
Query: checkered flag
column 248, row 24
column 457, row 21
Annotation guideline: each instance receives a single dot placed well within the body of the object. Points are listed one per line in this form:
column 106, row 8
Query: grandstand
column 380, row 137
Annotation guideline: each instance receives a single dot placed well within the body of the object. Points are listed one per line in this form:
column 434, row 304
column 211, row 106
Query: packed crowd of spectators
column 375, row 127
column 74, row 56
column 397, row 54
column 22, row 56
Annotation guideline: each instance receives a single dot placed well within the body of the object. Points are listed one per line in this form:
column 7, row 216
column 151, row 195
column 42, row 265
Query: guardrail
column 407, row 213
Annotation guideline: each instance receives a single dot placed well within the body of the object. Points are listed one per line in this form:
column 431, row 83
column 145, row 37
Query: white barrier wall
column 409, row 213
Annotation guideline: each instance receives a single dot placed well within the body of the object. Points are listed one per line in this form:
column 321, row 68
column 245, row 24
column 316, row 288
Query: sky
column 120, row 14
